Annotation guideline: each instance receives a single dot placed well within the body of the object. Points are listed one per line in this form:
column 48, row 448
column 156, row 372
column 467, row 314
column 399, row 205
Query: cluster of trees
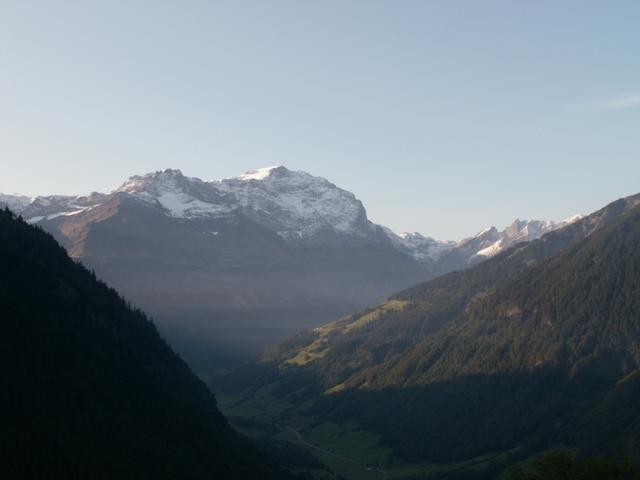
column 562, row 465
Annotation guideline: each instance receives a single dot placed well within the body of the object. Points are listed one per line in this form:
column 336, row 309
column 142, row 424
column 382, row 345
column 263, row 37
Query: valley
column 405, row 388
column 345, row 450
column 319, row 240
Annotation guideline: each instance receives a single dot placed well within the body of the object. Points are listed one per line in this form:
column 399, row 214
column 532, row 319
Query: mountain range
column 232, row 265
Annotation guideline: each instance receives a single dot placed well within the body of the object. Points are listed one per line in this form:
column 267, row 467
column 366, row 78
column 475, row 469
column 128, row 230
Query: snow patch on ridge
column 423, row 249
column 259, row 174
column 75, row 210
column 179, row 196
column 180, row 205
column 572, row 219
column 518, row 231
column 37, row 209
column 296, row 204
column 491, row 250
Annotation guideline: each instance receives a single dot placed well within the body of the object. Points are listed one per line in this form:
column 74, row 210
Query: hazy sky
column 441, row 116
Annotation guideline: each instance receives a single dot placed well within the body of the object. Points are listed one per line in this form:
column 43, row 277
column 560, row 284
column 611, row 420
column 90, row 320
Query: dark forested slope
column 89, row 389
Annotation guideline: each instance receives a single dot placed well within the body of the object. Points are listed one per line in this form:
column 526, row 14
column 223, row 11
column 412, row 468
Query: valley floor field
column 345, row 450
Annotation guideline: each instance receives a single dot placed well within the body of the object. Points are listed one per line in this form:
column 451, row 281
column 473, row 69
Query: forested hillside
column 89, row 389
column 537, row 347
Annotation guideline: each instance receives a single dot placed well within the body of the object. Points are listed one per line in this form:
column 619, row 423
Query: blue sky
column 441, row 116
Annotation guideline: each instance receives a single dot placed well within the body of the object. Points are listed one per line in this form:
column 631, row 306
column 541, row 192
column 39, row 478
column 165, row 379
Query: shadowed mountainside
column 89, row 389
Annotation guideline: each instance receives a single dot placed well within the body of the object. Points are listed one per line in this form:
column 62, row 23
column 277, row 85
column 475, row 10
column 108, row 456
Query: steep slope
column 89, row 389
column 513, row 352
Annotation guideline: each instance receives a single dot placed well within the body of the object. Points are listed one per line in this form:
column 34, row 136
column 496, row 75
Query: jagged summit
column 262, row 173
column 15, row 202
column 179, row 196
column 413, row 235
column 424, row 249
column 294, row 204
column 493, row 241
column 138, row 183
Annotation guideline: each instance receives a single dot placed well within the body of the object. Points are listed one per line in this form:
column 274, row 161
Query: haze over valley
column 228, row 267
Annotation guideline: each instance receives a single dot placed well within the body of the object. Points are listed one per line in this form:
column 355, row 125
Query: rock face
column 241, row 262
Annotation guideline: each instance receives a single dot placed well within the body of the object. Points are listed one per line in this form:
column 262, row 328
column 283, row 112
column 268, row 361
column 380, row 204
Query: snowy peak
column 262, row 173
column 413, row 236
column 490, row 241
column 295, row 204
column 425, row 250
column 151, row 181
column 37, row 209
column 177, row 195
column 481, row 239
column 571, row 219
column 15, row 202
column 523, row 230
column 155, row 183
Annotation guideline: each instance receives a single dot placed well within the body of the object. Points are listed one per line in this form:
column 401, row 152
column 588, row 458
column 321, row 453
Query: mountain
column 490, row 242
column 235, row 264
column 425, row 250
column 229, row 265
column 89, row 388
column 537, row 346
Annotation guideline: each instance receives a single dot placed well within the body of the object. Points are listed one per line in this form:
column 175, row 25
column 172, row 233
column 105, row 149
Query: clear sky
column 441, row 116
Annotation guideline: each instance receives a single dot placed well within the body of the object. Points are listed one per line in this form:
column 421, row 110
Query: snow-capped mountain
column 297, row 205
column 214, row 260
column 271, row 245
column 294, row 204
column 178, row 196
column 490, row 241
column 16, row 203
column 425, row 250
